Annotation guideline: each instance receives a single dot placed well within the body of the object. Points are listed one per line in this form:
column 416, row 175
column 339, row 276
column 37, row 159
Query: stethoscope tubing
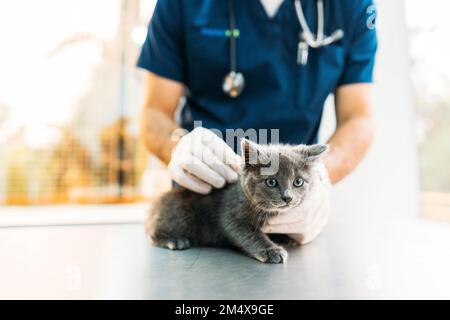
column 234, row 81
column 308, row 36
column 232, row 26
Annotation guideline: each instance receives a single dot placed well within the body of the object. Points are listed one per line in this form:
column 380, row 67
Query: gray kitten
column 233, row 216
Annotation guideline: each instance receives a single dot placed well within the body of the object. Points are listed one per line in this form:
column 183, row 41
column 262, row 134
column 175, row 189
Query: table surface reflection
column 351, row 260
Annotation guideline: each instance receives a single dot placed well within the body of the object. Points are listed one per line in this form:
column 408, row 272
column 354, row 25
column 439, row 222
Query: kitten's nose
column 287, row 196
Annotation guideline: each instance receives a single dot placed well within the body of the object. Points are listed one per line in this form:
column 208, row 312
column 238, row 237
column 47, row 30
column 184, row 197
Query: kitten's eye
column 271, row 182
column 298, row 182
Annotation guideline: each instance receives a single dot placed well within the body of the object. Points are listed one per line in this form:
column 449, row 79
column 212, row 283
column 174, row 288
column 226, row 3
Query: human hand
column 202, row 161
column 305, row 222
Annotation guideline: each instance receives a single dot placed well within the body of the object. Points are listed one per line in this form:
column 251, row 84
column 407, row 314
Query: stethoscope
column 234, row 81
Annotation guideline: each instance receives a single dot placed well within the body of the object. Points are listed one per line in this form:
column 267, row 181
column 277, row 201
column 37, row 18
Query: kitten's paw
column 272, row 255
column 175, row 244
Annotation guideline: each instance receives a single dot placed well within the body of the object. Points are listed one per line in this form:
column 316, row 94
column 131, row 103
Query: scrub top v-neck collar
column 271, row 6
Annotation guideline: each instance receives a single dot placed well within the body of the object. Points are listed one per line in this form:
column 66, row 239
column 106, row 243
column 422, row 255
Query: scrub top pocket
column 319, row 76
column 333, row 56
column 208, row 55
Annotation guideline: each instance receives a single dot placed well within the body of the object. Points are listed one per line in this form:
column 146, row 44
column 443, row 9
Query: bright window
column 69, row 99
column 430, row 52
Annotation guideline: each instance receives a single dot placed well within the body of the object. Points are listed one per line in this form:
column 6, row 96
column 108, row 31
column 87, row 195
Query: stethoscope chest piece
column 234, row 81
column 233, row 84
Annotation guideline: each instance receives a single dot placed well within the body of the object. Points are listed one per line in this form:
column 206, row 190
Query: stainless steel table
column 351, row 259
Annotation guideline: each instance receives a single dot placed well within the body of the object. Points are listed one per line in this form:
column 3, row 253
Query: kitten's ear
column 315, row 152
column 249, row 152
column 311, row 153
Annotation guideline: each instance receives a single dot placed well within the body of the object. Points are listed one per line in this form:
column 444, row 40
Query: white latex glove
column 201, row 160
column 305, row 222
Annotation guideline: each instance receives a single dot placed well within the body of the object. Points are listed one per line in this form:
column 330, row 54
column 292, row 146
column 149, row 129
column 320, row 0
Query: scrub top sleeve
column 362, row 46
column 163, row 50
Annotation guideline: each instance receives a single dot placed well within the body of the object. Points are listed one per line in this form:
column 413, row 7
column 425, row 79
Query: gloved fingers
column 305, row 223
column 305, row 211
column 218, row 166
column 323, row 176
column 315, row 229
column 204, row 134
column 199, row 138
column 311, row 234
column 223, row 151
column 301, row 225
column 319, row 195
column 199, row 169
column 190, row 182
column 317, row 218
column 303, row 233
column 290, row 216
column 296, row 227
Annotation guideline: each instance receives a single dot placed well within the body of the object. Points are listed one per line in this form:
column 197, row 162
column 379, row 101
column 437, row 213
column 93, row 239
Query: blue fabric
column 187, row 42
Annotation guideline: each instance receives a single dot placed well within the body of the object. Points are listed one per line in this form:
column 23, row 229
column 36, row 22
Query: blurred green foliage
column 435, row 147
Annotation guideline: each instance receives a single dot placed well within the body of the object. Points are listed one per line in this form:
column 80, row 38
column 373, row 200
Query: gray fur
column 233, row 216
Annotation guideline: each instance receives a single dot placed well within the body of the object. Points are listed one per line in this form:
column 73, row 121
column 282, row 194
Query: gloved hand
column 305, row 222
column 201, row 160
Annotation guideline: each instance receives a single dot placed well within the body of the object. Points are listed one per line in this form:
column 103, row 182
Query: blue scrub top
column 186, row 42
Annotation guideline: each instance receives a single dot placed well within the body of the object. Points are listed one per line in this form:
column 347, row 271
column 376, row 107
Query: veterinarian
column 261, row 64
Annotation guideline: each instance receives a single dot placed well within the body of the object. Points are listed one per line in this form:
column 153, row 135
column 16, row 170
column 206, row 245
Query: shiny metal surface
column 352, row 259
